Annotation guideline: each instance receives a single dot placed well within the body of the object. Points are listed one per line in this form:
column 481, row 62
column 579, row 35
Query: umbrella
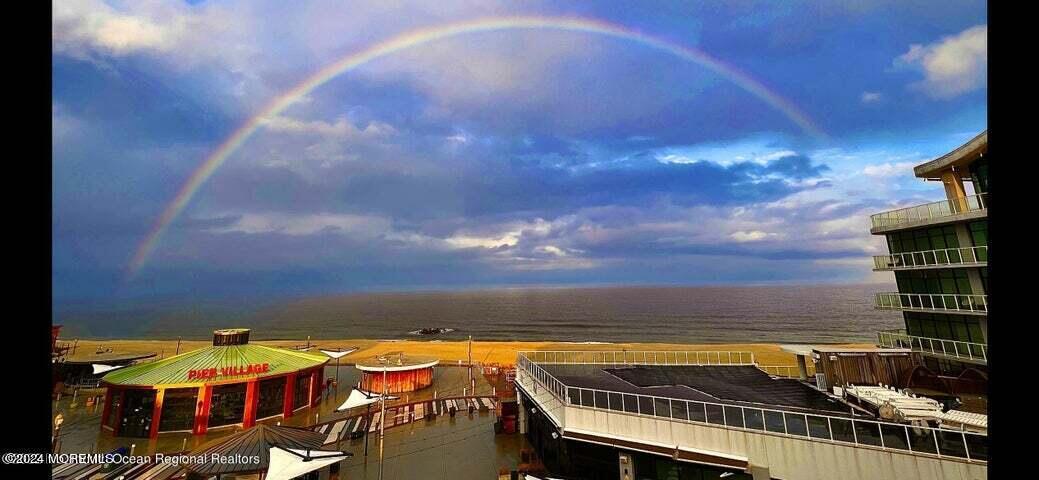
column 360, row 398
column 288, row 463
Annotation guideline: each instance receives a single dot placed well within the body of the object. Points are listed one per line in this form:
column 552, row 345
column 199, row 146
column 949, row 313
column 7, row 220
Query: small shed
column 840, row 366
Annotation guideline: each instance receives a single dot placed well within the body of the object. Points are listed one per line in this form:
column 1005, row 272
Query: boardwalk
column 346, row 428
column 354, row 426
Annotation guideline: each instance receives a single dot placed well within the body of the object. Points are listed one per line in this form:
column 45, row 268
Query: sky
column 495, row 158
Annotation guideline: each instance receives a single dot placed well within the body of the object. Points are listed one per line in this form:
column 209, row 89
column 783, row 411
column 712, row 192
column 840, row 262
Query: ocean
column 680, row 314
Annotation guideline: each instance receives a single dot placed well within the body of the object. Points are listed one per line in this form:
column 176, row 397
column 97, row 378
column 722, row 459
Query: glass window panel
column 842, row 430
column 696, row 412
column 753, row 419
column 734, row 416
column 601, row 399
column 178, row 409
column 587, row 398
column 977, row 445
column 616, row 402
column 662, row 407
column 646, row 405
column 894, row 436
column 795, row 424
column 922, row 440
column 774, row 422
column 631, row 403
column 228, row 404
column 818, row 427
column 272, row 397
column 715, row 414
column 679, row 410
column 951, row 444
column 868, row 433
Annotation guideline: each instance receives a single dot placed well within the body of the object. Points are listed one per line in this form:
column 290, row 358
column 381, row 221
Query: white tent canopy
column 359, row 398
column 338, row 354
column 288, row 463
column 102, row 368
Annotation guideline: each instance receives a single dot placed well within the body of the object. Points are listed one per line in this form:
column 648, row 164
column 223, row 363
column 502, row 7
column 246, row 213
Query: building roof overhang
column 957, row 159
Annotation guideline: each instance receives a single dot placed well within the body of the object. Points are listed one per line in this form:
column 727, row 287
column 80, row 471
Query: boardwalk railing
column 930, row 211
column 935, row 346
column 964, row 256
column 944, row 302
column 633, row 357
column 789, row 371
column 927, row 441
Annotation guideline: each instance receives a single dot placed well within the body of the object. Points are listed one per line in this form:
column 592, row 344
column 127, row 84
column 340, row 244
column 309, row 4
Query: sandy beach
column 447, row 351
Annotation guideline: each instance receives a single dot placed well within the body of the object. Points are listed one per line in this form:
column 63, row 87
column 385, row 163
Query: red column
column 107, row 408
column 205, row 399
column 157, row 413
column 119, row 412
column 315, row 388
column 251, row 398
column 290, row 391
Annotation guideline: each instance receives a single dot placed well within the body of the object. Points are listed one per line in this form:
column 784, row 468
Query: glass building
column 229, row 383
column 938, row 253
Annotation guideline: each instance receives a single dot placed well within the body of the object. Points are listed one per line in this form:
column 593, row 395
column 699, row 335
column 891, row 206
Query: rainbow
column 431, row 34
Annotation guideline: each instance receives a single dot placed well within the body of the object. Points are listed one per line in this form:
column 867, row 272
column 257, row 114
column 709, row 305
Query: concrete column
column 983, row 323
column 965, row 240
column 157, row 413
column 522, row 416
column 802, row 367
column 954, row 189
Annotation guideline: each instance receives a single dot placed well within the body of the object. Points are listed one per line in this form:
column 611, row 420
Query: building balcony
column 944, row 211
column 933, row 303
column 937, row 347
column 926, row 259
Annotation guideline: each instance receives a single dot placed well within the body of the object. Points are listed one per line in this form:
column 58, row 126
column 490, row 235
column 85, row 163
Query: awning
column 359, row 398
column 286, row 464
column 102, row 368
column 337, row 353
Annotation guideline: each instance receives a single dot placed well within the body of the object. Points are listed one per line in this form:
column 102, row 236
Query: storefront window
column 272, row 397
column 228, row 405
column 113, row 410
column 178, row 409
column 137, row 413
column 302, row 391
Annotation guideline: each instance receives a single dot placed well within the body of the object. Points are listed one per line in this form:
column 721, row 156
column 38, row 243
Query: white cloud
column 340, row 128
column 888, row 169
column 289, row 224
column 871, row 97
column 953, row 65
column 750, row 236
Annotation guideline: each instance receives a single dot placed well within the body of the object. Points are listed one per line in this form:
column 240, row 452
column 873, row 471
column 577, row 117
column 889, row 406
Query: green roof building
column 229, row 383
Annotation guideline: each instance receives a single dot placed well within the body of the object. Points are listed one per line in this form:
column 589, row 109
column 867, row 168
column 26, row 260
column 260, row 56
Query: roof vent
column 231, row 336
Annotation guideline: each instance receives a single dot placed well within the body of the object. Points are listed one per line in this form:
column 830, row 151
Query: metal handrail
column 916, row 440
column 936, row 346
column 930, row 211
column 641, row 357
column 954, row 302
column 965, row 256
column 788, row 371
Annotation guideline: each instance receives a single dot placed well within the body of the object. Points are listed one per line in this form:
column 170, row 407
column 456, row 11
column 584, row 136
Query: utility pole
column 382, row 421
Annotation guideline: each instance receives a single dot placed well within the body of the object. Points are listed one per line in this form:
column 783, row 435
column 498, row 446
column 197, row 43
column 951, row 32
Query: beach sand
column 447, row 351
